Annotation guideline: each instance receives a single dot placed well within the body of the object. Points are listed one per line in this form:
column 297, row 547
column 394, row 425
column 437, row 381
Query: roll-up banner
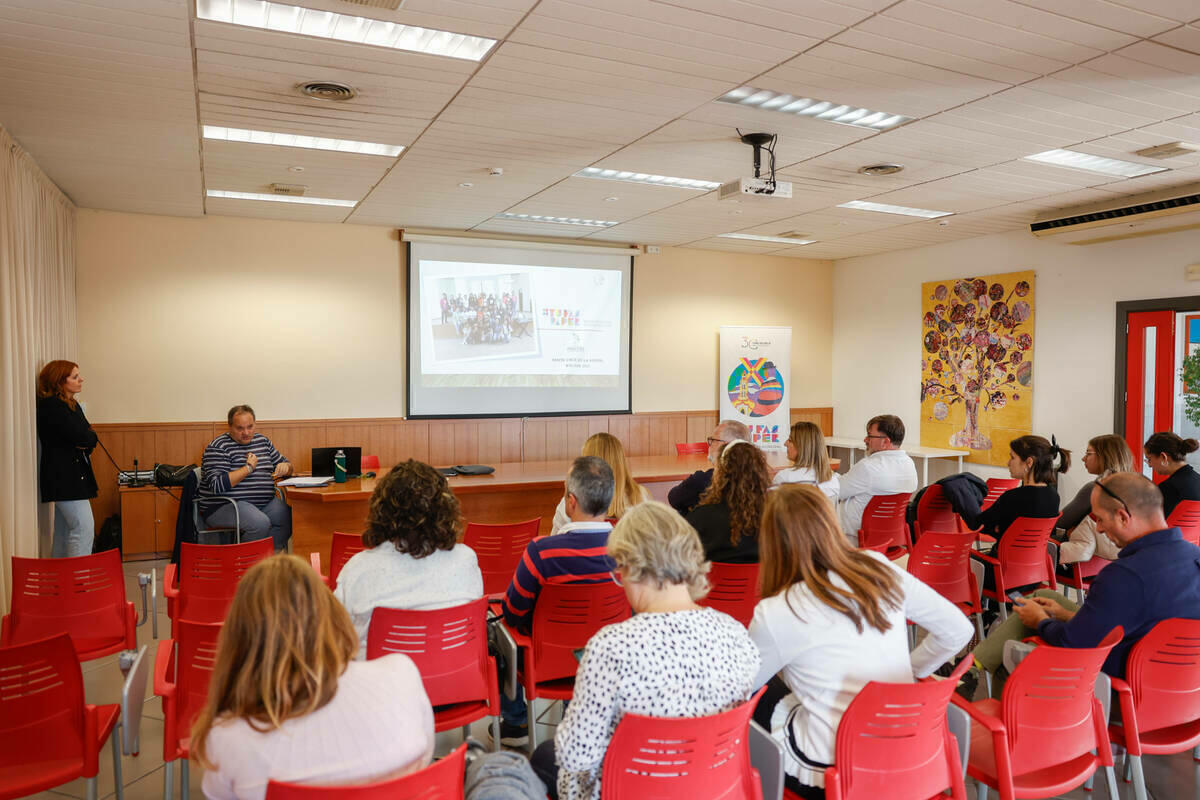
column 755, row 370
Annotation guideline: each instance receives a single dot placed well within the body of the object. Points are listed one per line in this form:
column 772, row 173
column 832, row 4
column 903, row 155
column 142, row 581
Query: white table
column 923, row 453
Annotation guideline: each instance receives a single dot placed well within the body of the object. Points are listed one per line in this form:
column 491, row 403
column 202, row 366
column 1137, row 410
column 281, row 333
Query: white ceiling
column 109, row 97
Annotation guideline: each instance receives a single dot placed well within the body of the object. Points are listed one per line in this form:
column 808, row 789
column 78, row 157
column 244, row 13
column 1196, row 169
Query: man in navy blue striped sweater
column 242, row 465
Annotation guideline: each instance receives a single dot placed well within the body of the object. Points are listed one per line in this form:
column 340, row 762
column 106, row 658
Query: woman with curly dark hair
column 730, row 510
column 413, row 559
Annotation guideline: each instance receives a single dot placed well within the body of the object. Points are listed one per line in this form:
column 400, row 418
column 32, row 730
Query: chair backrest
column 1186, row 517
column 734, row 590
column 883, row 521
column 209, row 574
column 41, row 702
column 893, row 741
column 1163, row 669
column 934, row 512
column 1049, row 706
column 690, row 448
column 565, row 617
column 1022, row 551
column 441, row 780
column 658, row 757
column 943, row 562
column 997, row 487
column 341, row 549
column 193, row 661
column 448, row 645
column 499, row 549
column 369, row 462
column 83, row 596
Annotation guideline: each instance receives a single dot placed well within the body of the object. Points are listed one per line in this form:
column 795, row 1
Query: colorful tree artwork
column 977, row 363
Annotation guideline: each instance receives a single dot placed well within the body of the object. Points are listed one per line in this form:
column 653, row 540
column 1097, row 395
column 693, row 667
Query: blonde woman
column 832, row 618
column 1105, row 455
column 627, row 492
column 287, row 701
column 810, row 461
column 671, row 659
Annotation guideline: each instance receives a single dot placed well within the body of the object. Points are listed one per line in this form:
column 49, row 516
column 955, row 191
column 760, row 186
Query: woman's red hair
column 51, row 379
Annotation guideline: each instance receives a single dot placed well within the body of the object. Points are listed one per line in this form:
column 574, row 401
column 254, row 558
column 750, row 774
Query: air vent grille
column 1116, row 213
column 290, row 189
column 394, row 5
column 328, row 90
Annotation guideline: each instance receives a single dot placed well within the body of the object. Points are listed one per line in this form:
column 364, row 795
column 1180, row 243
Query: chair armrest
column 314, row 558
column 1130, row 734
column 171, row 581
column 985, row 557
column 5, row 630
column 506, row 643
column 164, row 687
column 993, row 724
column 91, row 747
column 130, row 627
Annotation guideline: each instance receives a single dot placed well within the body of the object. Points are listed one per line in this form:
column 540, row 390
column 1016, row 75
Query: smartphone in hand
column 1016, row 597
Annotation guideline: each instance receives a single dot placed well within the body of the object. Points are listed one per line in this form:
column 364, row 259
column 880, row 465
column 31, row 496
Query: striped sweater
column 577, row 554
column 222, row 456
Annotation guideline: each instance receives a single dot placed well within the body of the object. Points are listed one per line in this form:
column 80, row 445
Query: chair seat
column 30, row 777
column 1163, row 741
column 1046, row 782
column 455, row 715
column 89, row 647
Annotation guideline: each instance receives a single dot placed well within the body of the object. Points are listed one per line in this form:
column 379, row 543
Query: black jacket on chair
column 67, row 441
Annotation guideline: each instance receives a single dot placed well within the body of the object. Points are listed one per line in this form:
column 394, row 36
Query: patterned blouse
column 675, row 664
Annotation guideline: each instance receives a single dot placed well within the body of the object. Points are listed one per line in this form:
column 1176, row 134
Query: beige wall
column 181, row 318
column 877, row 302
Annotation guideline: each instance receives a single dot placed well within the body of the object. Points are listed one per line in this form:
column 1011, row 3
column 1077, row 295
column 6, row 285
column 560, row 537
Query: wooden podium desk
column 514, row 492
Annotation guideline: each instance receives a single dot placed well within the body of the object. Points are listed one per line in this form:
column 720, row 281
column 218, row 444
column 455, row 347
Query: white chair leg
column 89, row 788
column 1003, row 611
column 496, row 734
column 115, row 742
column 981, row 790
column 1090, row 782
column 184, row 788
column 1139, row 778
column 531, row 715
column 979, row 626
column 1127, row 775
column 168, row 780
column 1110, row 777
column 987, row 681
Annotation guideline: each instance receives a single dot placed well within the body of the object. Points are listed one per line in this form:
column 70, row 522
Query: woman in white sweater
column 832, row 618
column 810, row 461
column 286, row 702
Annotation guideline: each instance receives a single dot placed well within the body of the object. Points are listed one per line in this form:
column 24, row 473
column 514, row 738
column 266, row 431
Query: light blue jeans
column 74, row 528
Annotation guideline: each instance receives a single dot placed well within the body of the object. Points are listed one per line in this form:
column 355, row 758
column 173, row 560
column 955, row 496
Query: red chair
column 182, row 668
column 499, row 549
column 997, row 487
column 734, row 590
column 893, row 742
column 942, row 561
column 441, row 780
column 691, row 448
column 82, row 596
column 341, row 548
column 1023, row 558
column 201, row 588
column 450, row 648
column 48, row 734
column 1082, row 574
column 1041, row 739
column 1186, row 517
column 369, row 462
column 1160, row 696
column 565, row 617
column 934, row 513
column 883, row 523
column 678, row 757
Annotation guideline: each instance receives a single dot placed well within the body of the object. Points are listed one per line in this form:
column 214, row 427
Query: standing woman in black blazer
column 66, row 471
column 1166, row 453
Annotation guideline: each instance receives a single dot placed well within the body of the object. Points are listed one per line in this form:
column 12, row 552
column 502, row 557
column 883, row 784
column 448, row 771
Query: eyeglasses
column 875, row 436
column 612, row 573
column 1113, row 495
column 714, row 441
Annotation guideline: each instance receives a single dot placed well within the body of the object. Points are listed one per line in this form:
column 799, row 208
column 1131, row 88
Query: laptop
column 322, row 461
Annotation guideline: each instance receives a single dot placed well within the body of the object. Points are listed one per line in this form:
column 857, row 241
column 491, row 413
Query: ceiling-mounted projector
column 757, row 187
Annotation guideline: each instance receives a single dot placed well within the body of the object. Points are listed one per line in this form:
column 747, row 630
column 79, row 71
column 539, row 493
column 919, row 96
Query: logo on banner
column 755, row 387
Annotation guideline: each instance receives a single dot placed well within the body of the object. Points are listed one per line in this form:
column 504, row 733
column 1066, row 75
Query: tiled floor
column 1167, row 777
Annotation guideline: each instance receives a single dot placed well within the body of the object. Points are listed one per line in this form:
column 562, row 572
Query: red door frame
column 1164, row 376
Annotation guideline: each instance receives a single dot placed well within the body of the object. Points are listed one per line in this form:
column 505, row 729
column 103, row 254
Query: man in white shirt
column 886, row 470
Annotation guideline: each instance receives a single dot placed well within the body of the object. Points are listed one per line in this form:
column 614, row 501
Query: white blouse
column 385, row 577
column 825, row 661
column 829, row 488
column 378, row 725
column 676, row 664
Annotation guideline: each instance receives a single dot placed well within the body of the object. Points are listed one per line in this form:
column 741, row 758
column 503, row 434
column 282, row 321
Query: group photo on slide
column 484, row 316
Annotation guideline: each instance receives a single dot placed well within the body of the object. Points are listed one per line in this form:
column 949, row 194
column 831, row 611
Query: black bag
column 171, row 475
column 109, row 537
column 474, row 469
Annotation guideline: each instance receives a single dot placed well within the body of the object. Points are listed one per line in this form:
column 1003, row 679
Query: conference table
column 514, row 492
column 923, row 453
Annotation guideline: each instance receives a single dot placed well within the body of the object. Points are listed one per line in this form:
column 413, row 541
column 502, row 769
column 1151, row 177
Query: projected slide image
column 481, row 317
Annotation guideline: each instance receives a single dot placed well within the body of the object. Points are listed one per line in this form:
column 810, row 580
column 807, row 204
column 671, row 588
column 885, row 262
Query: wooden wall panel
column 440, row 442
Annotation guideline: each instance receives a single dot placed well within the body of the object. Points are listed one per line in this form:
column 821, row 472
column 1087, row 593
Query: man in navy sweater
column 1156, row 576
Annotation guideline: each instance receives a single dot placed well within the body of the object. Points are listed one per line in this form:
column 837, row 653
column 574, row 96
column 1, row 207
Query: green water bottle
column 339, row 467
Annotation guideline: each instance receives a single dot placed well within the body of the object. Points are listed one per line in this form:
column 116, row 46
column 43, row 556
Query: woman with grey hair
column 672, row 659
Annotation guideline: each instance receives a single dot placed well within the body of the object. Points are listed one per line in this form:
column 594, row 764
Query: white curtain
column 37, row 324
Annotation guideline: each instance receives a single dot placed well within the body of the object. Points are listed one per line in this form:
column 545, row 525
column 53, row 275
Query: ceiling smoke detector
column 794, row 235
column 328, row 90
column 1169, row 150
column 881, row 169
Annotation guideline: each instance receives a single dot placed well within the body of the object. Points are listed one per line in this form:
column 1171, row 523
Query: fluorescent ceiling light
column 295, row 140
column 642, row 177
column 863, row 205
column 344, row 27
column 1105, row 166
column 595, row 223
column 280, row 198
column 755, row 238
column 810, row 107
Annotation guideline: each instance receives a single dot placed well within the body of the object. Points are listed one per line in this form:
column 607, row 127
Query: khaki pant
column 989, row 655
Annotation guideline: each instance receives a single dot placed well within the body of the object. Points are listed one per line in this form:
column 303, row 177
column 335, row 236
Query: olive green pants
column 989, row 655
